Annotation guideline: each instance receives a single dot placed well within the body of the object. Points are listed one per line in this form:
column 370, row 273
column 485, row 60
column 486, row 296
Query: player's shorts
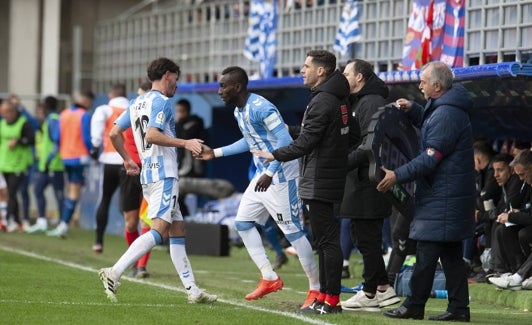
column 3, row 183
column 75, row 173
column 130, row 191
column 162, row 200
column 280, row 201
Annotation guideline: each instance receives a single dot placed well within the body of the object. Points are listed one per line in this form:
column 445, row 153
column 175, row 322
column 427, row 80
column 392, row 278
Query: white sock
column 62, row 226
column 138, row 248
column 256, row 251
column 3, row 212
column 179, row 257
column 306, row 258
column 517, row 278
column 346, row 263
column 41, row 221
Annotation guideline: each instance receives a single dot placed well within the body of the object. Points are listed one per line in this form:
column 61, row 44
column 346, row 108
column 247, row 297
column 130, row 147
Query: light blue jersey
column 152, row 109
column 263, row 129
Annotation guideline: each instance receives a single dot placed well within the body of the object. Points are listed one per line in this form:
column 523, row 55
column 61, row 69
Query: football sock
column 138, row 248
column 3, row 211
column 143, row 261
column 69, row 205
column 131, row 236
column 256, row 251
column 181, row 262
column 332, row 300
column 306, row 258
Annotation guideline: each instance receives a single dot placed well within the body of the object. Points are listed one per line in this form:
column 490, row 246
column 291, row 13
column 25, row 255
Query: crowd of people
column 472, row 204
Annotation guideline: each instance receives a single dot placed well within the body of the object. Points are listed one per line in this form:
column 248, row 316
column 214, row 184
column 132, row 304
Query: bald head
column 9, row 111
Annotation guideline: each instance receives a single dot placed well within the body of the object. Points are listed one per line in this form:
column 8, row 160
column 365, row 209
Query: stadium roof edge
column 501, row 70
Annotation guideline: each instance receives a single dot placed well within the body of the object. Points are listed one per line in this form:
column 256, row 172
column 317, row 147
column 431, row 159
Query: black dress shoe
column 403, row 312
column 450, row 317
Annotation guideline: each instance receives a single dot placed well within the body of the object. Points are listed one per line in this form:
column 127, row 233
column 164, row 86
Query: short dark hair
column 50, row 103
column 323, row 58
column 522, row 145
column 145, row 85
column 157, row 68
column 185, row 103
column 119, row 90
column 237, row 74
column 482, row 147
column 503, row 157
column 362, row 67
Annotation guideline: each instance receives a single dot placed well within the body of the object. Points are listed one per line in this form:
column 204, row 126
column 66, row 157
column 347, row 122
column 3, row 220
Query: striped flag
column 348, row 29
column 453, row 34
column 424, row 38
column 261, row 41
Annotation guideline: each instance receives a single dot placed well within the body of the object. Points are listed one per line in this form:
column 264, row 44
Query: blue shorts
column 75, row 173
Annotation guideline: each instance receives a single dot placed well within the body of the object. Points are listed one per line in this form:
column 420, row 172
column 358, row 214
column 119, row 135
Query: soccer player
column 273, row 189
column 151, row 115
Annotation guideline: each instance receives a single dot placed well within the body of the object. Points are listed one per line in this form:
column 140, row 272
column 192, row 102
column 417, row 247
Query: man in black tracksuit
column 366, row 206
column 322, row 142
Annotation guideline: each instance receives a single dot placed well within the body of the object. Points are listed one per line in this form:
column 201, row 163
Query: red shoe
column 3, row 227
column 311, row 296
column 265, row 287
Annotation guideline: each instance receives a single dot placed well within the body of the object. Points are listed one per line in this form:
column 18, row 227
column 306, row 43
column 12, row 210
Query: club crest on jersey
column 343, row 110
column 160, row 118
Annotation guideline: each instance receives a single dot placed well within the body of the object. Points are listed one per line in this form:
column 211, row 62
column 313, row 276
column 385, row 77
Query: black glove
column 94, row 153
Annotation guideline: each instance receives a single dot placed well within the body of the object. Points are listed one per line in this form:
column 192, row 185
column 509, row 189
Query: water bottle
column 440, row 294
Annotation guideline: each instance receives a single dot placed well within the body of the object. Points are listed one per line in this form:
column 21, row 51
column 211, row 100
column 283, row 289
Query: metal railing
column 206, row 38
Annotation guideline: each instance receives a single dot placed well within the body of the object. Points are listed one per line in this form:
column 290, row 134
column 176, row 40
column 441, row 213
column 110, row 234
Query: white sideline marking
column 145, row 282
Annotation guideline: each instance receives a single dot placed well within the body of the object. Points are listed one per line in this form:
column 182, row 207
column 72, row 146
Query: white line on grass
column 163, row 286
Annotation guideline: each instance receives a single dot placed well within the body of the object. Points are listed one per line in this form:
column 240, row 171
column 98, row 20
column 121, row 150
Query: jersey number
column 141, row 125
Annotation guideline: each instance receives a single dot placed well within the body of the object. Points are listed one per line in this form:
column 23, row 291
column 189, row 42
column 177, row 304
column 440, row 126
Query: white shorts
column 280, row 201
column 3, row 183
column 162, row 200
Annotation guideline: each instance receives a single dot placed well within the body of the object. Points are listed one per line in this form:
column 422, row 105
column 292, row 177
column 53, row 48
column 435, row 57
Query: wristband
column 218, row 152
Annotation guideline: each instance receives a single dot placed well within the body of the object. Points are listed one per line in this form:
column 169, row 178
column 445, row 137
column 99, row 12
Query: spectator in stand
column 444, row 171
column 50, row 168
column 362, row 203
column 16, row 139
column 111, row 164
column 506, row 252
column 522, row 165
column 188, row 126
column 74, row 149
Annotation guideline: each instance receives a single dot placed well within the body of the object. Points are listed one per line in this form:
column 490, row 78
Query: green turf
column 39, row 286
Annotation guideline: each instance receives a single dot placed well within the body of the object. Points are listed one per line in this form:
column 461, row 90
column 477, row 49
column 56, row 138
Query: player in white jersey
column 273, row 189
column 151, row 116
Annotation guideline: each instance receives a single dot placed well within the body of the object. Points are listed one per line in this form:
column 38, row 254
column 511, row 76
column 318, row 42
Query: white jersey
column 263, row 129
column 152, row 109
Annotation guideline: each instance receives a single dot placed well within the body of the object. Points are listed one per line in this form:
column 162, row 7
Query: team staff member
column 444, row 172
column 322, row 143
